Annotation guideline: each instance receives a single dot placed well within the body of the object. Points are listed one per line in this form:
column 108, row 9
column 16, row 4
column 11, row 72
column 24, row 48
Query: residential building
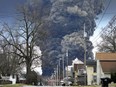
column 91, row 72
column 78, row 72
column 9, row 78
column 106, row 64
column 69, row 70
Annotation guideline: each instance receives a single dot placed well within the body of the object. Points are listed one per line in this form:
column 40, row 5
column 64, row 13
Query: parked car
column 67, row 81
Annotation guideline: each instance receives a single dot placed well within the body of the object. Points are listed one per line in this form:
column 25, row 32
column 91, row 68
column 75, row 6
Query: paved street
column 41, row 86
column 113, row 85
column 31, row 86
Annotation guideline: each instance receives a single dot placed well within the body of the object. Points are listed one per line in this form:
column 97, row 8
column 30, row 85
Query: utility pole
column 57, row 75
column 59, row 70
column 85, row 35
column 63, row 65
column 67, row 62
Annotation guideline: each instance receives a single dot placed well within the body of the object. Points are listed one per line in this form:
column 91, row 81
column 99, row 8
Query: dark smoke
column 64, row 19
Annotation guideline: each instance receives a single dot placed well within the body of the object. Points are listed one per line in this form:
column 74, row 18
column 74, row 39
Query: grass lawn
column 112, row 85
column 16, row 85
column 20, row 85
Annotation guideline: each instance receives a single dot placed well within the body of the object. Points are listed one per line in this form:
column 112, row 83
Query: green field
column 16, row 85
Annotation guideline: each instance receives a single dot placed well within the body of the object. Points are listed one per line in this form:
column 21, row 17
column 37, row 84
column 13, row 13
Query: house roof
column 108, row 66
column 106, row 56
column 77, row 61
column 91, row 62
column 107, row 61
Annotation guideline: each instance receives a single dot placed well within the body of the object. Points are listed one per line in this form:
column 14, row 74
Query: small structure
column 106, row 64
column 78, row 72
column 91, row 72
column 69, row 70
column 9, row 78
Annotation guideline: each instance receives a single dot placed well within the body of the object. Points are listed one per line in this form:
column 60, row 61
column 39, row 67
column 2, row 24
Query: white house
column 106, row 64
column 91, row 72
column 10, row 78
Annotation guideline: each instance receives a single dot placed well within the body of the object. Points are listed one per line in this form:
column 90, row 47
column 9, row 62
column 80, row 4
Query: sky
column 8, row 9
column 102, row 21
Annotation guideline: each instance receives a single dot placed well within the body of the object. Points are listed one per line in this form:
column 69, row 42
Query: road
column 32, row 86
column 40, row 86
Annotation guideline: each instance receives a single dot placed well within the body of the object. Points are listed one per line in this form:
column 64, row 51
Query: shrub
column 5, row 82
column 113, row 77
column 33, row 78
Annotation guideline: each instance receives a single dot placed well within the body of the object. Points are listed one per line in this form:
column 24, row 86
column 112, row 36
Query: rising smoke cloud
column 72, row 14
column 76, row 10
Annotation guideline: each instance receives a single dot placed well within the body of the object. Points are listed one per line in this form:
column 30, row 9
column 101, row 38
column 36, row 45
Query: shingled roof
column 106, row 56
column 107, row 61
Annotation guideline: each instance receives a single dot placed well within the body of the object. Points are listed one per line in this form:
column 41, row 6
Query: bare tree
column 9, row 62
column 23, row 36
column 108, row 42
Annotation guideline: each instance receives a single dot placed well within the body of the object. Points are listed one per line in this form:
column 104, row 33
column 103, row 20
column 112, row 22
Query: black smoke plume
column 65, row 19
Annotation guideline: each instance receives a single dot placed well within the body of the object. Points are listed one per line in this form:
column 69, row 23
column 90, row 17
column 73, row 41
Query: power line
column 96, row 38
column 111, row 27
column 109, row 33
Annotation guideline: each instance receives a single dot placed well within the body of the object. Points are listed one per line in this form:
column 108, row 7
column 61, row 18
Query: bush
column 113, row 77
column 33, row 78
column 5, row 82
